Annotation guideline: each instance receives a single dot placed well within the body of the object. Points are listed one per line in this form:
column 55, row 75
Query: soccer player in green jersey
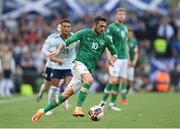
column 133, row 53
column 91, row 46
column 118, row 32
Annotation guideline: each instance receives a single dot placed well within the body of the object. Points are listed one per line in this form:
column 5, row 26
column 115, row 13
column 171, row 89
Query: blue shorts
column 60, row 74
column 47, row 73
column 7, row 74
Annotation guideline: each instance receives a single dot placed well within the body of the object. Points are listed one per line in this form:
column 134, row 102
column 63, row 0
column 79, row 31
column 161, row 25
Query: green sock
column 83, row 94
column 124, row 91
column 107, row 91
column 53, row 104
column 115, row 89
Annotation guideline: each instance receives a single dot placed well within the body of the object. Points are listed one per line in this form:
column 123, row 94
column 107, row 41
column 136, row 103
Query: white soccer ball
column 96, row 113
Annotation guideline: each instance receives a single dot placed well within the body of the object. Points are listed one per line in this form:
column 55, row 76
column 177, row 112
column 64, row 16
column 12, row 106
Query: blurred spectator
column 11, row 24
column 7, row 68
column 165, row 29
column 28, row 67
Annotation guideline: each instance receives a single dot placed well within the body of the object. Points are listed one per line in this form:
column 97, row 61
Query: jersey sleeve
column 45, row 48
column 75, row 37
column 111, row 47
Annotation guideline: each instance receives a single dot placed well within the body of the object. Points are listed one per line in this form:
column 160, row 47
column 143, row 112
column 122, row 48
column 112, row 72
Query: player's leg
column 123, row 79
column 80, row 71
column 114, row 95
column 54, row 89
column 124, row 88
column 88, row 80
column 46, row 84
column 73, row 87
column 107, row 90
column 67, row 79
column 130, row 78
column 44, row 87
column 113, row 74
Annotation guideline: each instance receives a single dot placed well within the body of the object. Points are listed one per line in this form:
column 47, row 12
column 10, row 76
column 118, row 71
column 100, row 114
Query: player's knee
column 112, row 81
column 89, row 81
column 67, row 93
column 55, row 82
column 65, row 96
column 87, row 78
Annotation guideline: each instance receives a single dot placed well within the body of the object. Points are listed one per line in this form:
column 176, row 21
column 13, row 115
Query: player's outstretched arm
column 108, row 54
column 57, row 60
column 54, row 53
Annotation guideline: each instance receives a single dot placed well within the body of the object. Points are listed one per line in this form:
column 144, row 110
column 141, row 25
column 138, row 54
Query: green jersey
column 119, row 35
column 91, row 47
column 133, row 47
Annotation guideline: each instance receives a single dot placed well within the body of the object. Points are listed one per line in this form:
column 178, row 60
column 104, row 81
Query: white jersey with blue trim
column 67, row 55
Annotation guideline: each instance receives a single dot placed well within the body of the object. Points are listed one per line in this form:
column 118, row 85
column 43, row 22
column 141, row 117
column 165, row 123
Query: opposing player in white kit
column 48, row 68
column 61, row 63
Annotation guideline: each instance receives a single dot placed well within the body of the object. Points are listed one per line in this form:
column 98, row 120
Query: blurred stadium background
column 25, row 24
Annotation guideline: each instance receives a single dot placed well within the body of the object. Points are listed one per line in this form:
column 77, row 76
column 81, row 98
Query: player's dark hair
column 65, row 21
column 99, row 18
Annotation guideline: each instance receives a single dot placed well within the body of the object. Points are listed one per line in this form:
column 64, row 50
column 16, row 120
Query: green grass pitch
column 145, row 110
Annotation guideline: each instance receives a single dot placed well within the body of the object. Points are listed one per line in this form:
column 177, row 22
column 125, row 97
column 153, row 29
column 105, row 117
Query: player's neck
column 65, row 36
column 95, row 32
column 118, row 22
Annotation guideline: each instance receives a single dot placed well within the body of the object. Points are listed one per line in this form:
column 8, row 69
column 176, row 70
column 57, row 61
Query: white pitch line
column 16, row 99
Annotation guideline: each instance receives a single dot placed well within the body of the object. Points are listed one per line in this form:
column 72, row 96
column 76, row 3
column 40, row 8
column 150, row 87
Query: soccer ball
column 96, row 113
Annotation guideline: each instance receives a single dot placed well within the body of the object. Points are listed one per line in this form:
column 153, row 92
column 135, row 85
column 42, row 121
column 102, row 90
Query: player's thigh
column 61, row 81
column 47, row 75
column 114, row 70
column 78, row 69
column 123, row 68
column 69, row 91
column 56, row 76
column 75, row 85
column 67, row 79
column 67, row 76
column 47, row 83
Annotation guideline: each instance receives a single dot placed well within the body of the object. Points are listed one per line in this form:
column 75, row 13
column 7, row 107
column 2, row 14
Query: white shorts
column 77, row 70
column 119, row 68
column 130, row 74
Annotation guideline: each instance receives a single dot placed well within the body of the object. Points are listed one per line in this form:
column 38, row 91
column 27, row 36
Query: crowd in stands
column 21, row 41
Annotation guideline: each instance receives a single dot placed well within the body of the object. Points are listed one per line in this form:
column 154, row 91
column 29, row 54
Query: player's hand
column 57, row 60
column 112, row 60
column 133, row 64
column 53, row 53
column 129, row 63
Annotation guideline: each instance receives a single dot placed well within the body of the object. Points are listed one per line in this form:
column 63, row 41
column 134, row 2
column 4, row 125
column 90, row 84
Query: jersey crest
column 101, row 42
